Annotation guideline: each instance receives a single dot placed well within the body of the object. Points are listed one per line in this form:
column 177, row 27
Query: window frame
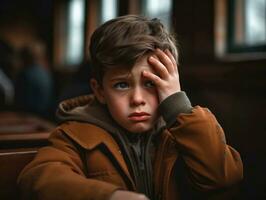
column 232, row 47
column 224, row 47
column 168, row 23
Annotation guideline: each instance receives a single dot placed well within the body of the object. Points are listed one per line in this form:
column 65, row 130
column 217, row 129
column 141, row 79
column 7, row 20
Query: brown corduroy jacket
column 81, row 165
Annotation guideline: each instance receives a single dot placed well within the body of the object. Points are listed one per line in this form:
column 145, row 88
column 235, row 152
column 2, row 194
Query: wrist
column 174, row 105
column 165, row 95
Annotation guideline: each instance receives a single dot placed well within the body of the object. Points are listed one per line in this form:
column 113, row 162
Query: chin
column 139, row 129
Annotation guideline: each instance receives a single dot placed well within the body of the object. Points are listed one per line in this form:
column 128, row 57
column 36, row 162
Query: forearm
column 58, row 181
column 211, row 162
column 200, row 139
column 57, row 172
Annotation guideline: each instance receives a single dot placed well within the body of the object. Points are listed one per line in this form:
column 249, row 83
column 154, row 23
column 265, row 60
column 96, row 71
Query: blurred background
column 44, row 60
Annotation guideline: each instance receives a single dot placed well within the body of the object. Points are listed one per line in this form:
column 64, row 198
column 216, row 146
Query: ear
column 97, row 90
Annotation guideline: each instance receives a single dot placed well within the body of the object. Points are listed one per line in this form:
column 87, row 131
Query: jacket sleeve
column 211, row 163
column 57, row 173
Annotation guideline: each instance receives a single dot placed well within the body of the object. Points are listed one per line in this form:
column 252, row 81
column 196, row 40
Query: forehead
column 140, row 65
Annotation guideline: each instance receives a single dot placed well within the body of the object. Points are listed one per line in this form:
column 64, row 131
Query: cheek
column 116, row 105
column 153, row 99
column 154, row 105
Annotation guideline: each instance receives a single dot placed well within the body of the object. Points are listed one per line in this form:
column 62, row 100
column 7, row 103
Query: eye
column 121, row 85
column 149, row 84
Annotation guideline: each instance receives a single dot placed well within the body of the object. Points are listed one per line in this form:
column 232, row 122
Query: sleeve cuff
column 173, row 105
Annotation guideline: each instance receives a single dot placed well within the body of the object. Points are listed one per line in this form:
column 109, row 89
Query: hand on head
column 166, row 78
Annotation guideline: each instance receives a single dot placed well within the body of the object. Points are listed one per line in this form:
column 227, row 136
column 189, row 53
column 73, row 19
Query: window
column 75, row 32
column 108, row 10
column 247, row 26
column 241, row 27
column 158, row 9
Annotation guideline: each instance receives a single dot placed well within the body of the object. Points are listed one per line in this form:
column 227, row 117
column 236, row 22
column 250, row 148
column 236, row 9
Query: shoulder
column 199, row 114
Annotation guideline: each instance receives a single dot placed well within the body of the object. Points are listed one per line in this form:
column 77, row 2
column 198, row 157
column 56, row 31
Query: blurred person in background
column 79, row 83
column 6, row 83
column 34, row 85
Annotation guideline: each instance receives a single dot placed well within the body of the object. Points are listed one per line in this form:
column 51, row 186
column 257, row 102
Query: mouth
column 139, row 116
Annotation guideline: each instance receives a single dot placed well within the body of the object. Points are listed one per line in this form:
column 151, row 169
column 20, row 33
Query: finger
column 142, row 197
column 159, row 68
column 166, row 61
column 170, row 55
column 154, row 78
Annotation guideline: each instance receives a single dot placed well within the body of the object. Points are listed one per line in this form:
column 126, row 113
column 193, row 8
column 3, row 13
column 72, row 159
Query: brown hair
column 123, row 40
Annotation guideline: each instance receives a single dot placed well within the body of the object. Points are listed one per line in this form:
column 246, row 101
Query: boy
column 138, row 137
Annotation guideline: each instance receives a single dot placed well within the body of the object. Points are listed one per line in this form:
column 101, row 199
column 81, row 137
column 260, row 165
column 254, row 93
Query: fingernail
column 144, row 73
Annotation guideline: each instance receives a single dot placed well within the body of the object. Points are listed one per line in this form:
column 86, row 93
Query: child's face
column 131, row 98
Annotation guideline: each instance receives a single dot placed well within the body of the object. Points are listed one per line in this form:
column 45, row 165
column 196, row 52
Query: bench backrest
column 11, row 164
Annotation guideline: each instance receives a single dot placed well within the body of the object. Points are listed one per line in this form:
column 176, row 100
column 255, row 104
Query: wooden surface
column 20, row 130
column 12, row 161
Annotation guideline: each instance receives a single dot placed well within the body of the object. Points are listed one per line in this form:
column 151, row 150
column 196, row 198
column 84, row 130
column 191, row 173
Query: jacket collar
column 87, row 135
column 90, row 136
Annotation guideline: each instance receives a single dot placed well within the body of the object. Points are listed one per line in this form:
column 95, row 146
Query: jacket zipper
column 141, row 163
column 159, row 172
column 124, row 144
column 148, row 167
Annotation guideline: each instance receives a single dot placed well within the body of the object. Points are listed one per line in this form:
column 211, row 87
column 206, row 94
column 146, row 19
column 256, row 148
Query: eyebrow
column 121, row 77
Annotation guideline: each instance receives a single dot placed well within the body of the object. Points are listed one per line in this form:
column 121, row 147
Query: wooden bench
column 11, row 163
column 21, row 135
column 20, row 130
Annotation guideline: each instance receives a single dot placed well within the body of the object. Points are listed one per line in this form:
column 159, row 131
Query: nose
column 137, row 97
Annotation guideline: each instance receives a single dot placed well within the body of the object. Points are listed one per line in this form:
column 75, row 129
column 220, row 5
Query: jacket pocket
column 102, row 167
